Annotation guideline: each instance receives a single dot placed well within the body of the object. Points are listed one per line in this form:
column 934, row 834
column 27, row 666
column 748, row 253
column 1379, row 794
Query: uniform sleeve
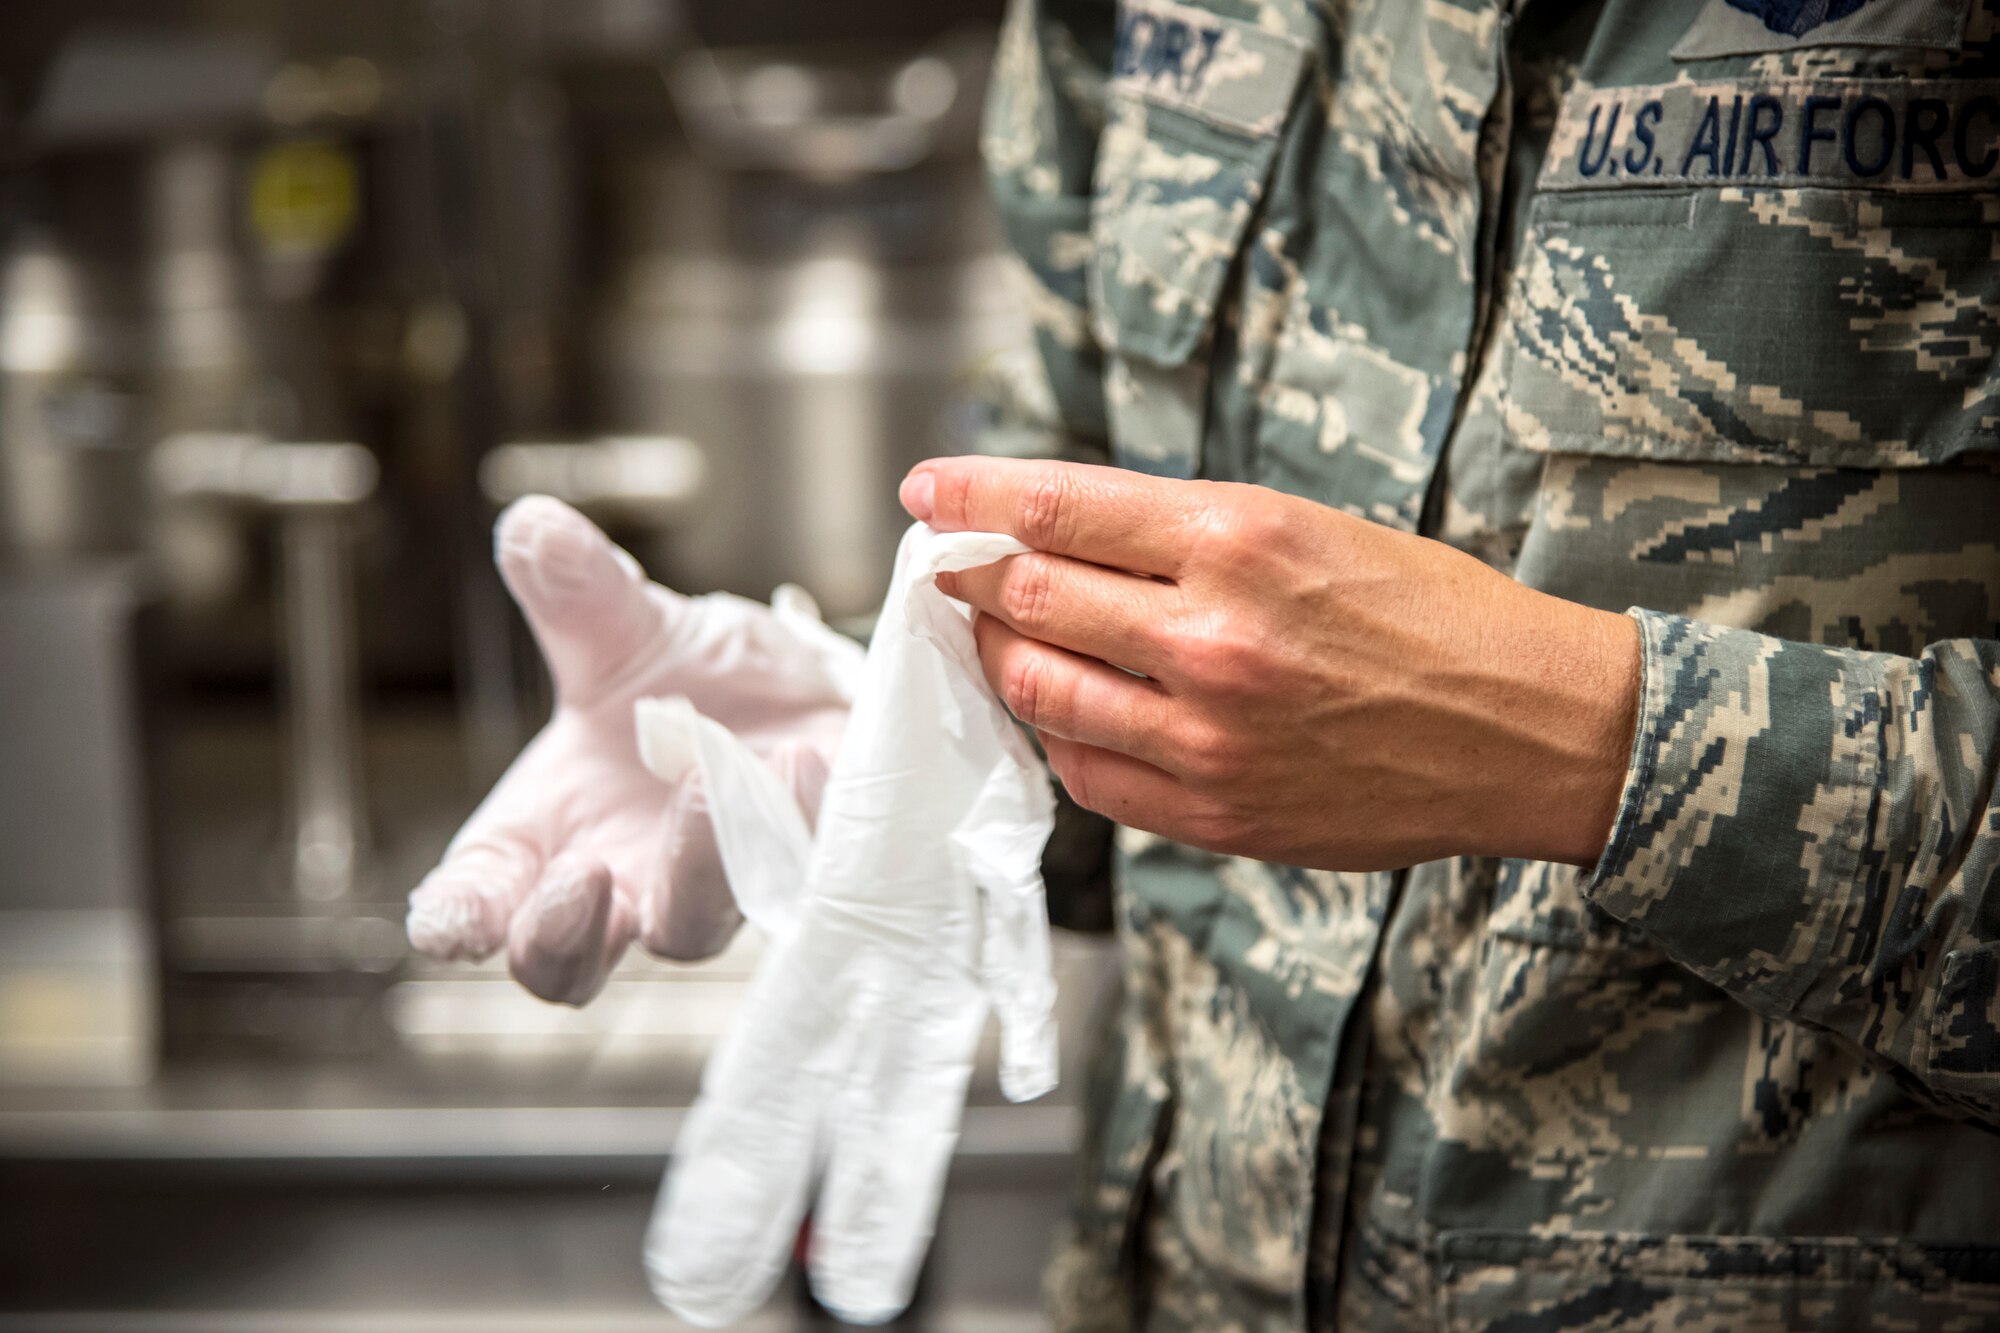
column 1816, row 830
column 1044, row 111
column 1046, row 400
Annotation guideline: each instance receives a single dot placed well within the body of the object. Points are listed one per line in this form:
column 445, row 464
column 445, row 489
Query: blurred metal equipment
column 647, row 478
column 314, row 489
column 195, row 271
column 78, row 990
column 803, row 276
column 113, row 84
column 70, row 474
column 124, row 304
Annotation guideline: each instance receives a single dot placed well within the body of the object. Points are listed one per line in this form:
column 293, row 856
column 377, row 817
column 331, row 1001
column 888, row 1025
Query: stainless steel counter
column 243, row 1197
column 330, row 1128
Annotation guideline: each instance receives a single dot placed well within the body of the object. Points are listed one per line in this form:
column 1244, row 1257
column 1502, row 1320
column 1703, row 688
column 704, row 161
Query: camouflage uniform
column 1685, row 306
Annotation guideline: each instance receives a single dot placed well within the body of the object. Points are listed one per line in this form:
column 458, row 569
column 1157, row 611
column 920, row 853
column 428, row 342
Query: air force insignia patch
column 1753, row 27
column 1796, row 18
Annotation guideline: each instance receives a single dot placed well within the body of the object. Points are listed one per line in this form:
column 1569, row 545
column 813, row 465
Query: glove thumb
column 589, row 604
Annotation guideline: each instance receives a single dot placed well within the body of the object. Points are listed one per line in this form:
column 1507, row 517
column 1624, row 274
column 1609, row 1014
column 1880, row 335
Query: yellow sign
column 304, row 195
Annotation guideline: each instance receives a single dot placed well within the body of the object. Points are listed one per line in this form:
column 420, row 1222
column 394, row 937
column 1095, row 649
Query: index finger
column 1105, row 515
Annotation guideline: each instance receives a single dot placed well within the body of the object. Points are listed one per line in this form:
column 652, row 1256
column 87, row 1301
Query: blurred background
column 293, row 297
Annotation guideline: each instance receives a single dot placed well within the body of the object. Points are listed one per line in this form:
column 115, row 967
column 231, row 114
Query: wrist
column 1571, row 702
column 1586, row 787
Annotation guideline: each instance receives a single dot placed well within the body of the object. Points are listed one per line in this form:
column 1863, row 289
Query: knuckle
column 1210, row 756
column 1027, row 593
column 1218, row 527
column 1048, row 511
column 1024, row 687
column 1218, row 654
column 1074, row 773
column 1264, row 527
column 1239, row 524
column 1213, row 825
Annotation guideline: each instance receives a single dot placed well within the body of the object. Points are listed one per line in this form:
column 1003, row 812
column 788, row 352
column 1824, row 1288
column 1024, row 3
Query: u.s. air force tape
column 1885, row 134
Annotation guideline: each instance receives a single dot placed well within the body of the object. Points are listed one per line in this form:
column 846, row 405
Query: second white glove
column 921, row 908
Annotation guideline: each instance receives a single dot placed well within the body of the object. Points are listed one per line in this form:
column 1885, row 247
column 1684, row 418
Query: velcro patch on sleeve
column 1234, row 74
column 1911, row 135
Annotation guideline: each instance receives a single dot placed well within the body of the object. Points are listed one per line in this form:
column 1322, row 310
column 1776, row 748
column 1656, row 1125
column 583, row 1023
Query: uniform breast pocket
column 1196, row 108
column 1775, row 408
column 1807, row 327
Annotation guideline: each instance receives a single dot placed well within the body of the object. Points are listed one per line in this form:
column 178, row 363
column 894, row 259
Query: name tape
column 1229, row 72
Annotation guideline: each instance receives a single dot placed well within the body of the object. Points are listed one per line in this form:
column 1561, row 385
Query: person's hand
column 578, row 848
column 1253, row 673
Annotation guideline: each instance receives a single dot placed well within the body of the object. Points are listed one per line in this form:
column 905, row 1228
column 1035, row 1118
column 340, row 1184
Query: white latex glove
column 922, row 907
column 578, row 848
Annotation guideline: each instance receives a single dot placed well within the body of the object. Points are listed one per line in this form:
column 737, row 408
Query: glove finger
column 686, row 912
column 589, row 604
column 743, row 1166
column 802, row 769
column 894, row 1127
column 1019, row 976
column 462, row 908
column 1000, row 848
column 569, row 933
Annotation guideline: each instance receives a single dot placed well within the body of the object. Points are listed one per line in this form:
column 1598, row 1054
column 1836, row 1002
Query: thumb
column 589, row 604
